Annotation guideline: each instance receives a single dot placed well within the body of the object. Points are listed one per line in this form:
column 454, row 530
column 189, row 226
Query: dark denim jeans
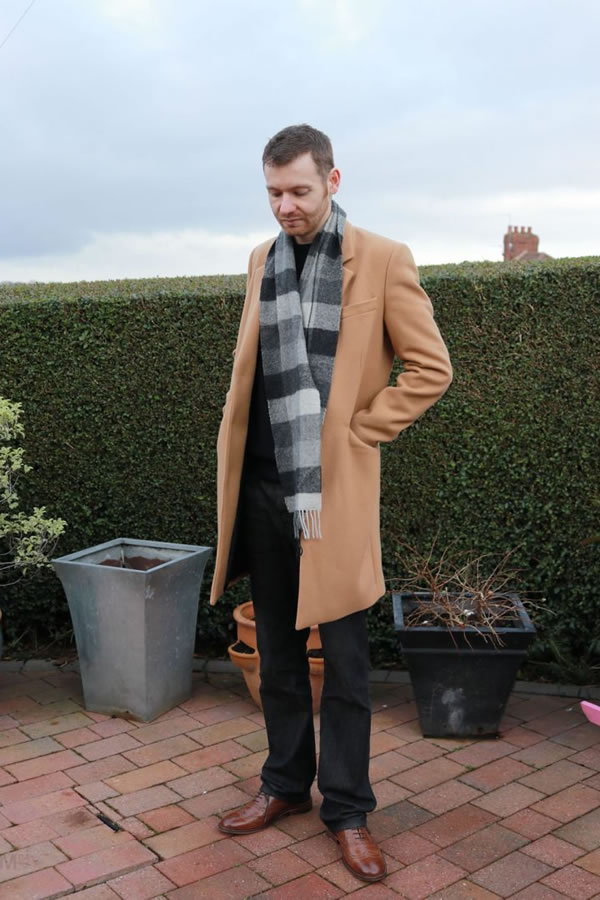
column 273, row 555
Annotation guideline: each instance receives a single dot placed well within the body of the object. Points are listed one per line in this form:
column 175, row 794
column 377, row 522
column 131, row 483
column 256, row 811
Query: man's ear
column 333, row 181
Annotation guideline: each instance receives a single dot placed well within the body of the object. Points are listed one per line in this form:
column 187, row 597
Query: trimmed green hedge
column 122, row 384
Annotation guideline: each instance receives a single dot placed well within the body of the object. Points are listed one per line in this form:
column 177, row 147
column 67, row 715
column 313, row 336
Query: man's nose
column 287, row 204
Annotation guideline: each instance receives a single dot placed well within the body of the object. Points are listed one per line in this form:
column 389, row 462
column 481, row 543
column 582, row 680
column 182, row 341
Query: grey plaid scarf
column 299, row 326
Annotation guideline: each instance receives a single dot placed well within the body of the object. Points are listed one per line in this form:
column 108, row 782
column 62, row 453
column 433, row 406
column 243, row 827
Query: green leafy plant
column 124, row 404
column 594, row 538
column 25, row 539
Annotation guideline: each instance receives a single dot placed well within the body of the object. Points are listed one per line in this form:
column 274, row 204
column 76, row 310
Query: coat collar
column 348, row 242
column 250, row 342
column 347, row 255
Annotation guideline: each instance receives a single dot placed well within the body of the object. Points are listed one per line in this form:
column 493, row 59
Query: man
column 327, row 307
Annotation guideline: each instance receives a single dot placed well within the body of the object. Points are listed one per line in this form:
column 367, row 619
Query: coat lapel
column 347, row 254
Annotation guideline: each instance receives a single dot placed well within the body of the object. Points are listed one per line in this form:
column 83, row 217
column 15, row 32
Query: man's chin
column 298, row 231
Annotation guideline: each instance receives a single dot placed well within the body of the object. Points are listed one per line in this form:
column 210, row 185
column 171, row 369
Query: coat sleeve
column 417, row 342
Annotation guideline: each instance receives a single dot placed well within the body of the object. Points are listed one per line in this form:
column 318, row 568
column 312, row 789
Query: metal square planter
column 134, row 607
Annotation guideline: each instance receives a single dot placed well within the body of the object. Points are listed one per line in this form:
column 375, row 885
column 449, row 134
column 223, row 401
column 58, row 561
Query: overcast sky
column 132, row 130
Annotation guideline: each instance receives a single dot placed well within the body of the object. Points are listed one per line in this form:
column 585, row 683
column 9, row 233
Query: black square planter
column 461, row 681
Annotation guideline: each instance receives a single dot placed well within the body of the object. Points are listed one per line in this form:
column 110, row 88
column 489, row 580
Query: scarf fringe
column 309, row 522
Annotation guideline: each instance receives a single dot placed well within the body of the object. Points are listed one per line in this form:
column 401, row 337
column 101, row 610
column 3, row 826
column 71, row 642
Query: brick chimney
column 519, row 241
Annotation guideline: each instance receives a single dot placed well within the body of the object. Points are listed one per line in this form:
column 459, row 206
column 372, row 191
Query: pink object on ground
column 591, row 711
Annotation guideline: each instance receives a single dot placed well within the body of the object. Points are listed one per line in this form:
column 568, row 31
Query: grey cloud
column 110, row 128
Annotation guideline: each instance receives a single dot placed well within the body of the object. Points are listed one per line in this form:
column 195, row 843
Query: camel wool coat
column 384, row 313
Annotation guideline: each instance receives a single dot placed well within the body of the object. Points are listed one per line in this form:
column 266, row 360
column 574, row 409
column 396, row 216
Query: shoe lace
column 261, row 798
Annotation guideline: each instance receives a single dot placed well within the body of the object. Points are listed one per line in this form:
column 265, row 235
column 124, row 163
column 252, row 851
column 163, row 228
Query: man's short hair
column 293, row 141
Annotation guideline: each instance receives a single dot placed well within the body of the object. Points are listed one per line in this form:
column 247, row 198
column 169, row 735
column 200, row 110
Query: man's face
column 300, row 196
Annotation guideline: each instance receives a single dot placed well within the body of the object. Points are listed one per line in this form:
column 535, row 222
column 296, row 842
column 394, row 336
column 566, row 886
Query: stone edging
column 376, row 676
column 399, row 676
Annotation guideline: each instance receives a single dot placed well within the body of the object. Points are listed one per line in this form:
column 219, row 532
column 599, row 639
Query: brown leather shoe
column 360, row 854
column 260, row 813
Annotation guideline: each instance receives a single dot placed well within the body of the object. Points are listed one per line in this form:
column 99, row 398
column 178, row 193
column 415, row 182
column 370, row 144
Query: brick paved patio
column 514, row 817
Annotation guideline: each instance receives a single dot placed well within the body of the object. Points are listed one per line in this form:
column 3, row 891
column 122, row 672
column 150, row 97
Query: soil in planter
column 421, row 613
column 141, row 563
column 241, row 647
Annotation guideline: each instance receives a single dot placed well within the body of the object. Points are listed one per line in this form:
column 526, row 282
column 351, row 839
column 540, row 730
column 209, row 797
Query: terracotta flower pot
column 249, row 662
column 246, row 629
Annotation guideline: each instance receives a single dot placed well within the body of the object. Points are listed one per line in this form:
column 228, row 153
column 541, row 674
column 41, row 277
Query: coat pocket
column 355, row 309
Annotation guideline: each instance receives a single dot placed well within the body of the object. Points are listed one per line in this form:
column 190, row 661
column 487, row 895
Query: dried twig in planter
column 462, row 591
